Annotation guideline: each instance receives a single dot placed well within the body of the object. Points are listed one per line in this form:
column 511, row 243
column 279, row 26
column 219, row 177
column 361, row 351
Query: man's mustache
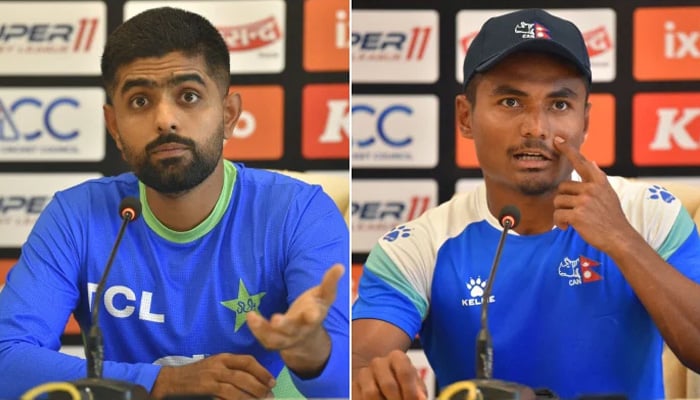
column 169, row 138
column 534, row 144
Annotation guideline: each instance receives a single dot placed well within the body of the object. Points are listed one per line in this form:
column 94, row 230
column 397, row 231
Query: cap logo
column 532, row 30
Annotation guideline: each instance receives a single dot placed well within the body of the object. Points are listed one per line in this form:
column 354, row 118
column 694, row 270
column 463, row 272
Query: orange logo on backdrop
column 599, row 145
column 666, row 129
column 666, row 44
column 72, row 327
column 326, row 35
column 325, row 121
column 259, row 133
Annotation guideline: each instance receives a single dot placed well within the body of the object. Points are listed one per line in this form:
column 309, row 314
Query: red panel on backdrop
column 325, row 121
column 666, row 129
column 665, row 43
column 326, row 35
column 259, row 133
column 356, row 274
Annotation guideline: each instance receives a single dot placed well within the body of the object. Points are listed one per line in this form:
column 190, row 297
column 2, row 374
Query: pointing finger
column 329, row 285
column 256, row 322
column 585, row 168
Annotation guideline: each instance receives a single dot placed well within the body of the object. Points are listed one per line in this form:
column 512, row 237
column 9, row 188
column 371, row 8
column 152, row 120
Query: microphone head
column 509, row 214
column 130, row 208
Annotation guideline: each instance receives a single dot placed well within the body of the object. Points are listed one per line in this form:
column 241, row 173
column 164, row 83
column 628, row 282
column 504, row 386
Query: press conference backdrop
column 289, row 61
column 407, row 154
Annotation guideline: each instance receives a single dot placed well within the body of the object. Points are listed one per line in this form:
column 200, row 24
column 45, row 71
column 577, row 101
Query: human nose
column 535, row 124
column 166, row 117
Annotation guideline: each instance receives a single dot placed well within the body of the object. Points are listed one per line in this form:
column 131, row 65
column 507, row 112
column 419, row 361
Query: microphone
column 509, row 217
column 94, row 386
column 484, row 386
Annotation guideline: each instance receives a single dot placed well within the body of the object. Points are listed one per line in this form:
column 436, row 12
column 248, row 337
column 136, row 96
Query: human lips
column 530, row 158
column 169, row 149
column 532, row 155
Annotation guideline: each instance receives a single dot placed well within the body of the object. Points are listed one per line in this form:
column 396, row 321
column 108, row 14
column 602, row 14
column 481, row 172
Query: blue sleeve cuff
column 142, row 374
column 334, row 380
column 378, row 300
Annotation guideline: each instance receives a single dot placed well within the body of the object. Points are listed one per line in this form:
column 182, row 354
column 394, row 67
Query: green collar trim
column 230, row 175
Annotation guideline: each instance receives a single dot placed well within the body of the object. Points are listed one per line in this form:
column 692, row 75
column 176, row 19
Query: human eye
column 510, row 102
column 190, row 97
column 560, row 105
column 138, row 102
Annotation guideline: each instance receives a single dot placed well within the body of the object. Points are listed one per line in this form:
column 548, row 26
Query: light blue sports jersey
column 172, row 297
column 561, row 314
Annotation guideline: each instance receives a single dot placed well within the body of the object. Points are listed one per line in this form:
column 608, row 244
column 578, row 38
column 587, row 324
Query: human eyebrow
column 563, row 93
column 149, row 83
column 138, row 82
column 507, row 90
column 180, row 79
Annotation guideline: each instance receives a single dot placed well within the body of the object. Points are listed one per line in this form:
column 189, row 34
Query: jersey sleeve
column 664, row 223
column 384, row 294
column 319, row 238
column 40, row 293
column 681, row 248
column 396, row 280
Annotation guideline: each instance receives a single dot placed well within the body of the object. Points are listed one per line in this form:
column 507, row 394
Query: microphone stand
column 94, row 386
column 488, row 388
column 484, row 345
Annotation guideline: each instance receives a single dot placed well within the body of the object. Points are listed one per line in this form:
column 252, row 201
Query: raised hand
column 590, row 206
column 225, row 376
column 390, row 377
column 298, row 334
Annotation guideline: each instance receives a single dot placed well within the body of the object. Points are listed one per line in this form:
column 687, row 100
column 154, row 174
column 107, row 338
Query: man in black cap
column 598, row 272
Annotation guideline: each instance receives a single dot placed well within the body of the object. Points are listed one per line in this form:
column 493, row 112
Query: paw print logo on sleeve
column 401, row 231
column 660, row 193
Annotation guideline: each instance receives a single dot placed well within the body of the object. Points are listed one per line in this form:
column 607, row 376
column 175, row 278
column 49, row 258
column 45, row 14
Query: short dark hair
column 159, row 31
column 470, row 91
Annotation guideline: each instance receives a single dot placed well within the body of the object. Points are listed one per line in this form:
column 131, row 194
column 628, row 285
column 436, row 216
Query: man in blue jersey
column 598, row 273
column 224, row 287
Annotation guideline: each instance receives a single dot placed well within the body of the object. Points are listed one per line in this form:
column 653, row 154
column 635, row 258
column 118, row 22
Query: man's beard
column 535, row 185
column 176, row 174
column 536, row 188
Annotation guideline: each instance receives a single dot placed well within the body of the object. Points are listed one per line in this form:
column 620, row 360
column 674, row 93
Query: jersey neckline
column 230, row 175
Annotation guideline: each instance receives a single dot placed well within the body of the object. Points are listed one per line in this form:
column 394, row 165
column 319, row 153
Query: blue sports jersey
column 173, row 297
column 561, row 314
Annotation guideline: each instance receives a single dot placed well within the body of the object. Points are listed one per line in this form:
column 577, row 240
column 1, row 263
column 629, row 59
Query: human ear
column 233, row 106
column 586, row 118
column 463, row 109
column 111, row 124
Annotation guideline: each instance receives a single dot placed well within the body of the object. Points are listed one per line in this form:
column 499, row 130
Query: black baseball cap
column 531, row 30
